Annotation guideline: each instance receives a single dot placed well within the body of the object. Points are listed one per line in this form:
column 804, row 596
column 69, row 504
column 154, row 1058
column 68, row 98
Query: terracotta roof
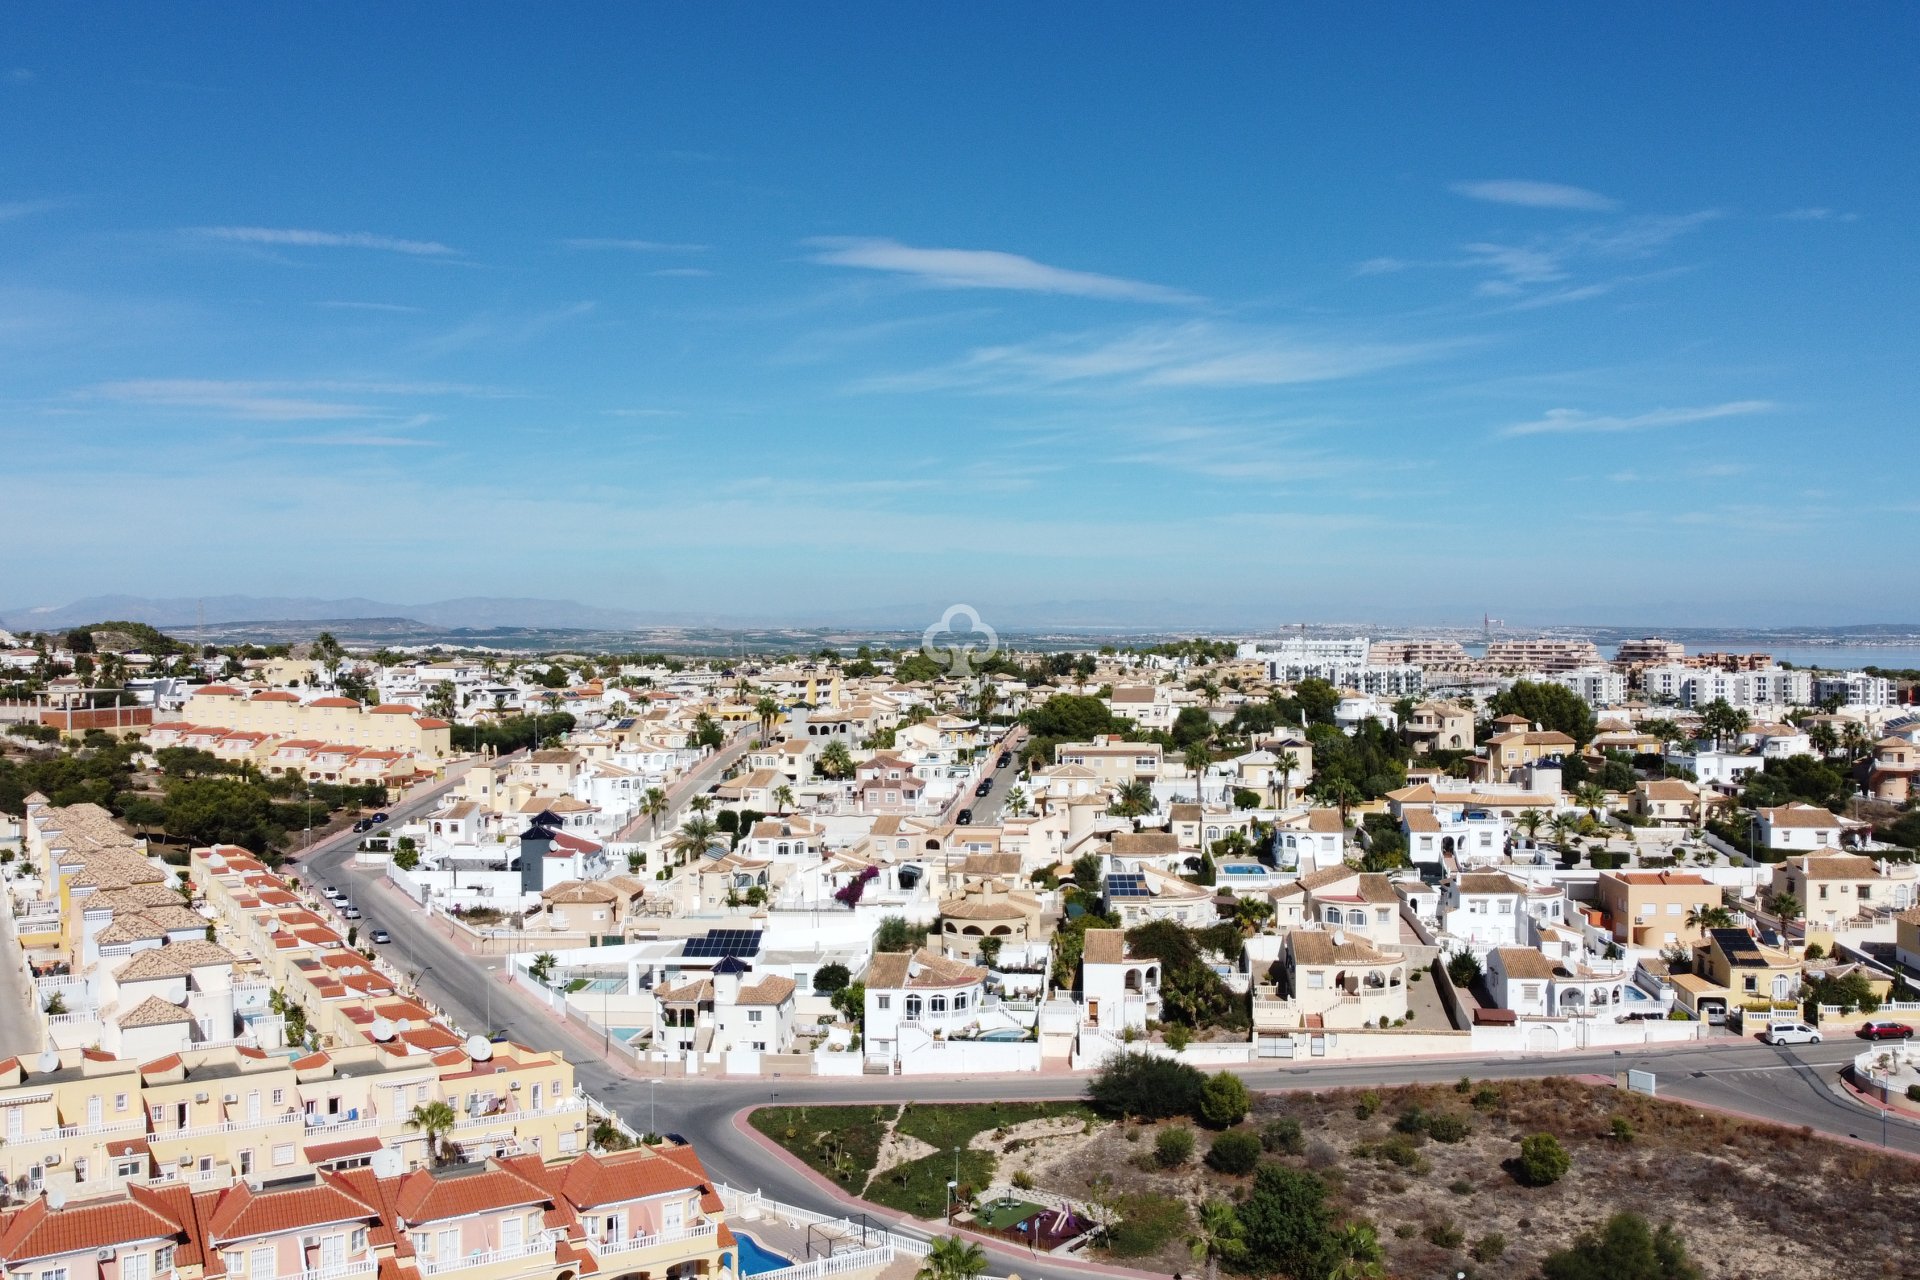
column 242, row 1212
column 1800, row 815
column 770, row 990
column 154, row 1012
column 1524, row 963
column 895, row 970
column 595, row 1180
column 38, row 1232
column 1103, row 946
column 424, row 1198
column 322, row 1152
column 1136, row 844
column 1840, row 866
column 1316, row 947
column 1488, row 882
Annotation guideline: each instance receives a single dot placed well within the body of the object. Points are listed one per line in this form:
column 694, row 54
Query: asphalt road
column 986, row 809
column 1791, row 1086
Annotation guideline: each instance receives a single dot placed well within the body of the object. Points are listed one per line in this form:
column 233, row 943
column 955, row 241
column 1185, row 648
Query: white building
column 1601, row 686
column 921, row 989
column 1698, row 686
column 1120, row 990
column 1855, row 689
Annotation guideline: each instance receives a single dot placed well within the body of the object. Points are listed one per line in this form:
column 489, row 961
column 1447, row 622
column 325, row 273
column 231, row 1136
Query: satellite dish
column 387, row 1163
column 50, row 1060
column 216, row 863
column 380, row 1029
column 1339, row 937
column 273, row 924
column 479, row 1048
column 56, row 1197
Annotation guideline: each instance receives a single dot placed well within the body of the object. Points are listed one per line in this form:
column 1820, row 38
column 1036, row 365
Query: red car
column 1878, row 1030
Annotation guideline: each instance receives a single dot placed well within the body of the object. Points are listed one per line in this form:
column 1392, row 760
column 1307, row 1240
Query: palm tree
column 1823, row 736
column 984, row 701
column 1339, row 793
column 1854, row 739
column 1530, row 821
column 1251, row 913
column 951, row 1258
column 654, row 805
column 836, row 761
column 1564, row 825
column 1134, row 799
column 700, row 804
column 1710, row 918
column 693, row 837
column 1787, row 908
column 1217, row 1234
column 1016, row 801
column 1198, row 758
column 1286, row 764
column 766, row 710
column 436, row 1120
column 783, row 797
column 1361, row 1257
column 1591, row 796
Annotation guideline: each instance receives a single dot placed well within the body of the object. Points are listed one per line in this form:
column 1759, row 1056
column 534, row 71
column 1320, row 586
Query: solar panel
column 1128, row 884
column 723, row 942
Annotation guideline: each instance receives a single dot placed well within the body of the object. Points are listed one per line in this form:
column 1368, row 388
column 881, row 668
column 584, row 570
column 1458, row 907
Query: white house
column 1484, row 908
column 1121, row 990
column 1796, row 827
column 919, row 989
column 1311, row 841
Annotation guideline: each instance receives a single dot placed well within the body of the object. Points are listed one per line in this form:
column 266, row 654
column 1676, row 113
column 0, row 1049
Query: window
column 119, row 1102
column 883, row 1002
column 283, row 1154
column 447, row 1244
column 279, row 1097
column 1530, row 991
column 753, row 1015
column 57, row 1273
column 80, row 1169
column 1674, row 908
column 959, row 1003
column 1315, row 981
column 163, row 1259
column 260, row 1263
column 157, row 1112
column 359, row 1243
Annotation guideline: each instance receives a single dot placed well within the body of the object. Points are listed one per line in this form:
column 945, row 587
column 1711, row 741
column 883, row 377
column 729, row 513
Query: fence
column 834, row 1264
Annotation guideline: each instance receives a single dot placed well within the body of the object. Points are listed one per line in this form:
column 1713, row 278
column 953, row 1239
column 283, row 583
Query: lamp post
column 952, row 1186
column 653, row 1108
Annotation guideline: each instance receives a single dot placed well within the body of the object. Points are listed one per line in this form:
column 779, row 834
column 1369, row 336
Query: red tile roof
column 38, row 1232
column 242, row 1212
column 425, row 1198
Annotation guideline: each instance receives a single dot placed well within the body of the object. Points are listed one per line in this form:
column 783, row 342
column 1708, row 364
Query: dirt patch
column 899, row 1149
column 1019, row 1147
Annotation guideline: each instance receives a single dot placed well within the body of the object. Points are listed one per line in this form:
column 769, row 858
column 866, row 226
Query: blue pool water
column 1004, row 1033
column 754, row 1259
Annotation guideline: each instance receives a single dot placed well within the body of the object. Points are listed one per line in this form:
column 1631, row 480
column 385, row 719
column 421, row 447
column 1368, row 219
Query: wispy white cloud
column 503, row 329
column 272, row 401
column 1578, row 421
column 306, row 239
column 1518, row 270
column 686, row 272
column 14, row 209
column 336, row 304
column 1380, row 266
column 631, row 246
column 1818, row 214
column 1197, row 355
column 987, row 269
column 1533, row 195
column 361, row 441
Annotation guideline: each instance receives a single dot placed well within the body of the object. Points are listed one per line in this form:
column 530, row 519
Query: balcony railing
column 692, row 1231
column 542, row 1243
column 227, row 1126
column 504, row 1117
column 335, row 1271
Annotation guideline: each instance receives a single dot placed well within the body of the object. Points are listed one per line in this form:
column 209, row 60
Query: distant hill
column 188, row 611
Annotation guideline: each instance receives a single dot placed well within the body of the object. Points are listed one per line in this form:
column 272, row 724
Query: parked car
column 964, row 818
column 1881, row 1029
column 378, row 817
column 332, row 894
column 1790, row 1033
column 362, row 826
column 382, row 936
column 984, row 787
column 1006, row 758
column 349, row 912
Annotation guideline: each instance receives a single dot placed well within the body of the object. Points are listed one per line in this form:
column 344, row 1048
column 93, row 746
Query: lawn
column 841, row 1142
column 950, row 1125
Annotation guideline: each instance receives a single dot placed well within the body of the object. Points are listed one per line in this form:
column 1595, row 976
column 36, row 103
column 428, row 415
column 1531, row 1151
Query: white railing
column 693, row 1231
column 227, row 1126
column 834, row 1264
column 75, row 1130
column 502, row 1117
column 324, row 1124
column 542, row 1243
column 335, row 1272
column 73, row 1019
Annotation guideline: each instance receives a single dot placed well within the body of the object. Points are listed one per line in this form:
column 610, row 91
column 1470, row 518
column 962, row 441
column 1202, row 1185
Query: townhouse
column 1655, row 909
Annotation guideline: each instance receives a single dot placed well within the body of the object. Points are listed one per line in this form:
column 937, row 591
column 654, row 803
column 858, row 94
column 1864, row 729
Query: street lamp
column 952, row 1186
column 653, row 1109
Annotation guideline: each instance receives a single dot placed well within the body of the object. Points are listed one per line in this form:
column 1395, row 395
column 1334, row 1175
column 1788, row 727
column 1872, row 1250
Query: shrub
column 1178, row 1036
column 1224, row 1101
column 1815, row 951
column 1147, row 1224
column 1489, row 1247
column 1288, row 1226
column 1625, row 1246
column 1486, row 1098
column 1023, row 1181
column 1282, row 1136
column 1445, row 1235
column 1913, row 1093
column 1412, row 1120
column 1173, row 1146
column 1139, row 1084
column 1460, row 1187
column 1235, row 1151
column 1463, row 1086
column 1463, row 968
column 1366, row 1104
column 1622, row 1128
column 1543, row 1161
column 1445, row 1127
column 1402, row 1149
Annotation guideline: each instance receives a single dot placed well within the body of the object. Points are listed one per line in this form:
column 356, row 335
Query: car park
column 1883, row 1029
column 1790, row 1033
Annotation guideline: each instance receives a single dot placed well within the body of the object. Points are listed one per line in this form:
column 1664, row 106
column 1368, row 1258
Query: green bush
column 1224, row 1101
column 1625, row 1247
column 1489, row 1247
column 1366, row 1104
column 1913, row 1093
column 1445, row 1234
column 1282, row 1136
column 1146, row 1087
column 1173, row 1146
column 1622, row 1128
column 1412, row 1120
column 1235, row 1151
column 1445, row 1127
column 1543, row 1161
column 1148, row 1223
column 1402, row 1149
column 1486, row 1098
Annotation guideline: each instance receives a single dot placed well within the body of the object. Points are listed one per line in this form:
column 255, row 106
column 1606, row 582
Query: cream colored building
column 280, row 713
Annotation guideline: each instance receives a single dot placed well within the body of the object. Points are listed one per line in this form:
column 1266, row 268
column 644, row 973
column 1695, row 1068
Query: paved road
column 697, row 781
column 986, row 809
column 1792, row 1086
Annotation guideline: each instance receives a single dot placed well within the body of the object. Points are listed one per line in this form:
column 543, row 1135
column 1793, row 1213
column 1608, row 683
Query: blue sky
column 1230, row 314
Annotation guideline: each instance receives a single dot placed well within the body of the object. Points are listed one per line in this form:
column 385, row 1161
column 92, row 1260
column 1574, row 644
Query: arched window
column 1356, row 916
column 939, row 1004
column 913, row 1007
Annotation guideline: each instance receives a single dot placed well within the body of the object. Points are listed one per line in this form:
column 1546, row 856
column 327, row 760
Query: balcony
column 226, row 1126
column 510, row 1116
column 540, row 1244
column 335, row 1271
column 699, row 1230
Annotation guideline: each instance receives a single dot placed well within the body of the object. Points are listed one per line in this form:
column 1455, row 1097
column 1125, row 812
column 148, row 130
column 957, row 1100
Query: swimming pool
column 1004, row 1033
column 1241, row 869
column 754, row 1259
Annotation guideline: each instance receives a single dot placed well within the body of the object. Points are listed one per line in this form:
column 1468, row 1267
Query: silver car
column 1790, row 1033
